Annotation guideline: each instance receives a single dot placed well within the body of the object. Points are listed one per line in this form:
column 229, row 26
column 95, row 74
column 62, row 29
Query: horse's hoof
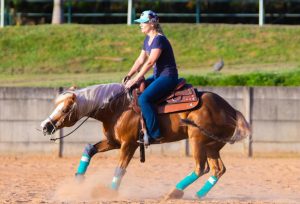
column 79, row 178
column 174, row 194
column 197, row 197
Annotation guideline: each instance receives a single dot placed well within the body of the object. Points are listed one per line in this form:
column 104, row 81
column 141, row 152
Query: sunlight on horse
column 208, row 127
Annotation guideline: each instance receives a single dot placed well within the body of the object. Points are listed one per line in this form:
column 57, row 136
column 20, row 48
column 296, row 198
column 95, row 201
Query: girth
column 183, row 98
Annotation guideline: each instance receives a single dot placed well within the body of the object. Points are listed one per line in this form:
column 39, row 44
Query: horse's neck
column 94, row 99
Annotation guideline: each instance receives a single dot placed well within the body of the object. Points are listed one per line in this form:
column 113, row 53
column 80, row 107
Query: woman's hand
column 130, row 83
column 125, row 79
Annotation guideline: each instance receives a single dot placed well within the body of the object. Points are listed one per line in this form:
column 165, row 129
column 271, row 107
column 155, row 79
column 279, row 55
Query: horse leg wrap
column 88, row 153
column 119, row 173
column 188, row 180
column 207, row 186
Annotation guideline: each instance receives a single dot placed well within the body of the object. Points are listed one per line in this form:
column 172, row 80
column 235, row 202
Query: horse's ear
column 73, row 97
column 72, row 88
column 64, row 96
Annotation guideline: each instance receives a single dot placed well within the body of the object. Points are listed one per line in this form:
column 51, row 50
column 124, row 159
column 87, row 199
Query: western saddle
column 184, row 97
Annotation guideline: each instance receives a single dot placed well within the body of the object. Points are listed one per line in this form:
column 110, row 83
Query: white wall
column 275, row 117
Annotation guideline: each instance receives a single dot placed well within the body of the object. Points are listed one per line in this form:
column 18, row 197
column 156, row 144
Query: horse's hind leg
column 89, row 152
column 201, row 168
column 215, row 164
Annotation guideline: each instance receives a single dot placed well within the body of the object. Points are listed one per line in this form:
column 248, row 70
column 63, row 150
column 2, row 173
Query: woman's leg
column 159, row 88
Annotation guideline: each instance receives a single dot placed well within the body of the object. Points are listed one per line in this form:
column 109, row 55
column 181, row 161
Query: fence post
column 61, row 133
column 248, row 105
column 2, row 13
column 261, row 13
column 129, row 12
column 58, row 12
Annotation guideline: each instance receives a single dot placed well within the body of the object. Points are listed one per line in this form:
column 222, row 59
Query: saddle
column 184, row 97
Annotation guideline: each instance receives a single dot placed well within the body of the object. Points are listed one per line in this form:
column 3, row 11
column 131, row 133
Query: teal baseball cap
column 147, row 16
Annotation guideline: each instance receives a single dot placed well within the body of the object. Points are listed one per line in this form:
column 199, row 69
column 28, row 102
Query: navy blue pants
column 159, row 87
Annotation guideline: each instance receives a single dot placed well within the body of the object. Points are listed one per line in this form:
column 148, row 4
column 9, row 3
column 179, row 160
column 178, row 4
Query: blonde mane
column 94, row 97
column 63, row 97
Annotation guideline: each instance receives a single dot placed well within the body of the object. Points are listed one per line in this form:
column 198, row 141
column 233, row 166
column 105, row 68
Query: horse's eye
column 65, row 110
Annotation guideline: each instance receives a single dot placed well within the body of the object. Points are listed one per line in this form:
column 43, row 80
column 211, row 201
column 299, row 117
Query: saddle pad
column 180, row 100
column 177, row 107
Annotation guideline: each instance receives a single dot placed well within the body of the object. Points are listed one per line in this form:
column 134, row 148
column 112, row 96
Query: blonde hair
column 158, row 28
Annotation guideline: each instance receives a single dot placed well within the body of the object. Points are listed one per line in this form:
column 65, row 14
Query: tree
column 58, row 13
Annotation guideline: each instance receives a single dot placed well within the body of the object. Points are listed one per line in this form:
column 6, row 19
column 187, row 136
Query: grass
column 63, row 55
column 250, row 79
column 230, row 76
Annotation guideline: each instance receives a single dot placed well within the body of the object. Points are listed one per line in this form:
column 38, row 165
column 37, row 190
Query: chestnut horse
column 208, row 127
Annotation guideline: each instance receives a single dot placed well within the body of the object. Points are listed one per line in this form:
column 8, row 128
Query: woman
column 157, row 52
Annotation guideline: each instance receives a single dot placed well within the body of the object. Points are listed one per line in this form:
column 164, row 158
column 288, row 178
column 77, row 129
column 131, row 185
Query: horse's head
column 64, row 114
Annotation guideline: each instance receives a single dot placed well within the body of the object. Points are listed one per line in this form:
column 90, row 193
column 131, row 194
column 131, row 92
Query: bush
column 291, row 78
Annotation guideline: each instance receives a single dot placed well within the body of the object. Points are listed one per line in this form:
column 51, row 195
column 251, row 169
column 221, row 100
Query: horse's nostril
column 44, row 130
column 47, row 128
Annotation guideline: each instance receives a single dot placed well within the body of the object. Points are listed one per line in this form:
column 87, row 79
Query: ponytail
column 158, row 28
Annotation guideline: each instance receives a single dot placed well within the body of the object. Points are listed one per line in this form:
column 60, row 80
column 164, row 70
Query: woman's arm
column 138, row 63
column 154, row 55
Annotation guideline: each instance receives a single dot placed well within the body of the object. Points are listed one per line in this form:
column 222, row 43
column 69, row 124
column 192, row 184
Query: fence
column 273, row 111
column 1, row 13
column 198, row 14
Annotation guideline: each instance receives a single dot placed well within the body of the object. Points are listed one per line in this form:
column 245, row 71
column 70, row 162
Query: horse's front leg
column 89, row 151
column 127, row 152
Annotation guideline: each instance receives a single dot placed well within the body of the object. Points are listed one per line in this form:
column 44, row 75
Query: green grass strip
column 250, row 79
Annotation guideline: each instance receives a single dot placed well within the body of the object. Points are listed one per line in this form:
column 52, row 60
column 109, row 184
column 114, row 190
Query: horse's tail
column 204, row 131
column 242, row 128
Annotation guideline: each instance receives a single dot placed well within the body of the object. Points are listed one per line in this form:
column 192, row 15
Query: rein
column 55, row 127
column 59, row 138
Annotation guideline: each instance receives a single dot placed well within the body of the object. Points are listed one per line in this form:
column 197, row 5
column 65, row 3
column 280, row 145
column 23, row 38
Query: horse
column 208, row 127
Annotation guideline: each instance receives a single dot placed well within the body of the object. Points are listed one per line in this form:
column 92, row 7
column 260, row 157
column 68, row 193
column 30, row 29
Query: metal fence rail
column 131, row 12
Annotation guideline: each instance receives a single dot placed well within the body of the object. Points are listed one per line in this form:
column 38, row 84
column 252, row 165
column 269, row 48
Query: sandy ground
column 47, row 179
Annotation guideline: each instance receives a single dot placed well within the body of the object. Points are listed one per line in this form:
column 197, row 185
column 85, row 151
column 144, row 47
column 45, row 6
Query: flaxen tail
column 242, row 129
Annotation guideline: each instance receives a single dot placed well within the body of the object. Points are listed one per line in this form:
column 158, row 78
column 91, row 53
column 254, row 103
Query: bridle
column 55, row 126
column 61, row 120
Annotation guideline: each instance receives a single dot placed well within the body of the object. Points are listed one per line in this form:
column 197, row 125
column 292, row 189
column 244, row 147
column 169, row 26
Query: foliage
column 250, row 79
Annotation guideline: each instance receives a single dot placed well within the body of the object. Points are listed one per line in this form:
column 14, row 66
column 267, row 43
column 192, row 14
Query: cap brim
column 140, row 20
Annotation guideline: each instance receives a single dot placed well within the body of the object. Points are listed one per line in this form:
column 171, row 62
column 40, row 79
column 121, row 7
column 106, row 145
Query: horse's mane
column 98, row 96
column 115, row 92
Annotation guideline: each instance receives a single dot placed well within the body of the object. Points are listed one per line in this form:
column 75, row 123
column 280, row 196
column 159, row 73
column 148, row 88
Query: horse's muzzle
column 48, row 129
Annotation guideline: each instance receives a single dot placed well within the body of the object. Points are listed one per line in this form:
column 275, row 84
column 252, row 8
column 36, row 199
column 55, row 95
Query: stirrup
column 144, row 140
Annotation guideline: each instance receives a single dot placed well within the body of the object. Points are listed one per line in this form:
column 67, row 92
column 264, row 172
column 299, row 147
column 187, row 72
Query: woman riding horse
column 208, row 127
column 157, row 51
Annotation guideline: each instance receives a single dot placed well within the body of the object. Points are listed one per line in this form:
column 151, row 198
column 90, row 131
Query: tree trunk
column 58, row 14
